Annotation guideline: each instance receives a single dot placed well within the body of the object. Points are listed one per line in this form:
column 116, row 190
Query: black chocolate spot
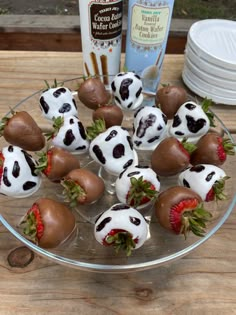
column 111, row 135
column 176, row 121
column 104, row 222
column 118, row 151
column 98, row 152
column 65, row 108
column 209, row 176
column 59, row 91
column 190, row 106
column 44, row 105
column 16, row 169
column 195, row 125
column 29, row 185
column 69, row 137
column 135, row 221
column 197, row 168
column 5, row 178
column 120, row 206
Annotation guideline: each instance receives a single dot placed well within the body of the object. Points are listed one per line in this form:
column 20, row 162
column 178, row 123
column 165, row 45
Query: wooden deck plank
column 62, row 33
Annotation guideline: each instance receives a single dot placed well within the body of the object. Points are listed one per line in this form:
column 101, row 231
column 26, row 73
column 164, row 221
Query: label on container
column 105, row 20
column 148, row 25
column 148, row 29
column 101, row 29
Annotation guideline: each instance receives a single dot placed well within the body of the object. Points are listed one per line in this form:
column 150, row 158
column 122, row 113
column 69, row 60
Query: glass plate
column 83, row 252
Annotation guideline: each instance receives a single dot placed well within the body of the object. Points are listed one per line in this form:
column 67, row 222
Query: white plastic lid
column 215, row 39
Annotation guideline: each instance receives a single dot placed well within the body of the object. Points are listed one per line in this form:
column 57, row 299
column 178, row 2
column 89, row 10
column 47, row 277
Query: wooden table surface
column 204, row 282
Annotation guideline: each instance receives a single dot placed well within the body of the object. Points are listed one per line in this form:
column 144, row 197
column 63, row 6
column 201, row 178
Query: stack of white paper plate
column 210, row 60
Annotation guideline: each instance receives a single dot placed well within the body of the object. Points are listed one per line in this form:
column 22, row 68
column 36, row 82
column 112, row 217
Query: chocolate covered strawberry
column 169, row 98
column 56, row 163
column 137, row 186
column 112, row 148
column 205, row 179
column 121, row 227
column 57, row 101
column 111, row 114
column 69, row 133
column 82, row 186
column 22, row 130
column 180, row 210
column 18, row 176
column 212, row 149
column 92, row 93
column 171, row 156
column 192, row 121
column 48, row 223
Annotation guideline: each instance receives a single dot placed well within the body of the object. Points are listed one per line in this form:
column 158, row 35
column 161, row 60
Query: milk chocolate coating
column 93, row 93
column 92, row 184
column 58, row 220
column 168, row 159
column 170, row 197
column 23, row 131
column 170, row 98
column 62, row 163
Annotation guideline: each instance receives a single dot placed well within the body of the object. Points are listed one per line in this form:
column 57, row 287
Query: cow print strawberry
column 113, row 149
column 190, row 122
column 18, row 177
column 56, row 102
column 202, row 178
column 71, row 136
column 127, row 90
column 150, row 126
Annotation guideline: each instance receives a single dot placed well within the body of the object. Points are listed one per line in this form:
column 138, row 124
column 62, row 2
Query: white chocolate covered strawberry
column 206, row 180
column 191, row 121
column 17, row 173
column 150, row 126
column 69, row 134
column 57, row 101
column 121, row 227
column 127, row 90
column 137, row 186
column 113, row 149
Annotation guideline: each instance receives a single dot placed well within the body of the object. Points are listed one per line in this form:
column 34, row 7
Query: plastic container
column 101, row 28
column 147, row 34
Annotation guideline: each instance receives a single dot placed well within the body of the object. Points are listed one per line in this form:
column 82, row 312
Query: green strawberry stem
column 121, row 241
column 95, row 129
column 42, row 162
column 73, row 192
column 141, row 191
column 54, row 85
column 4, row 121
column 32, row 224
column 229, row 146
column 206, row 108
column 57, row 124
column 219, row 187
column 190, row 147
column 195, row 221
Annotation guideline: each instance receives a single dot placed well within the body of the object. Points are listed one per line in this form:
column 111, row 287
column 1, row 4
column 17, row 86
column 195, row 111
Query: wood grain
column 204, row 282
column 62, row 33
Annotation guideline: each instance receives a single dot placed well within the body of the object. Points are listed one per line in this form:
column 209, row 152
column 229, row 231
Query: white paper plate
column 210, row 78
column 211, row 88
column 193, row 86
column 215, row 39
column 208, row 67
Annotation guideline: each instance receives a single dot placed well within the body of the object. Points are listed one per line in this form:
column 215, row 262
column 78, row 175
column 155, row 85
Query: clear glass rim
column 94, row 267
column 118, row 268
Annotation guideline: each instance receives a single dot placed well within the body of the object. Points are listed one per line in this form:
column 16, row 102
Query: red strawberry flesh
column 176, row 213
column 35, row 227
